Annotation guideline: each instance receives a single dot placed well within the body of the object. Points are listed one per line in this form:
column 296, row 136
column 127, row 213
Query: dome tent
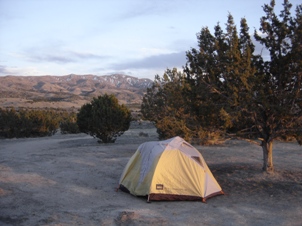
column 169, row 170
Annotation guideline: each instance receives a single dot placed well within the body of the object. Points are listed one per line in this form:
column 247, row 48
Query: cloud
column 143, row 9
column 3, row 70
column 86, row 55
column 161, row 61
column 29, row 70
column 50, row 58
column 60, row 57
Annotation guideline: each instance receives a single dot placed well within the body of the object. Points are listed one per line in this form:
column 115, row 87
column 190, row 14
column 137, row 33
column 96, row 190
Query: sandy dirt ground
column 72, row 180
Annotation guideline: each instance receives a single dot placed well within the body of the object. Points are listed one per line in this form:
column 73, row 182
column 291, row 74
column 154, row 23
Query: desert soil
column 72, row 180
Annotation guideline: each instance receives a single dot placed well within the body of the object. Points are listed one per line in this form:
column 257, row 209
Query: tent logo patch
column 159, row 187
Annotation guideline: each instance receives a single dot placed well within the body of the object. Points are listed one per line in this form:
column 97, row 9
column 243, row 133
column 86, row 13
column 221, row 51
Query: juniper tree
column 164, row 104
column 278, row 99
column 235, row 89
column 228, row 89
column 104, row 118
column 218, row 73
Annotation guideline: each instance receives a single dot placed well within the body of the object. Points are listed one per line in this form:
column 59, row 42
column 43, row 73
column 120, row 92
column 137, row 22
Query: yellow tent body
column 169, row 170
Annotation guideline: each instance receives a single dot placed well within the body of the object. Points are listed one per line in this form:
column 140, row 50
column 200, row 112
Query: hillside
column 69, row 91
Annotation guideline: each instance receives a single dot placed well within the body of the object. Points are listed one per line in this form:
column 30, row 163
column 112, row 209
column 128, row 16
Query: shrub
column 104, row 118
column 69, row 127
column 28, row 123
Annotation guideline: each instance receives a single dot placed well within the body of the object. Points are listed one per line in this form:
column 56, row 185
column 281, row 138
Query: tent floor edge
column 214, row 194
column 173, row 197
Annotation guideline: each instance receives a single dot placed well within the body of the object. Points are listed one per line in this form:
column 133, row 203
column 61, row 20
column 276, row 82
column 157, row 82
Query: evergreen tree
column 104, row 118
column 229, row 90
column 164, row 104
column 245, row 93
column 218, row 74
column 277, row 91
column 28, row 123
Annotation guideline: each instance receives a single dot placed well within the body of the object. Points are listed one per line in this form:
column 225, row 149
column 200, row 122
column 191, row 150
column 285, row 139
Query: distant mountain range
column 69, row 90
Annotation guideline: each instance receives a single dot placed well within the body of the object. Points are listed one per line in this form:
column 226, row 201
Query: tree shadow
column 249, row 180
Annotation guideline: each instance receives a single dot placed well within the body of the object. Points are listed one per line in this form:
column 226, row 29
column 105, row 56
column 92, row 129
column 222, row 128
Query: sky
column 140, row 38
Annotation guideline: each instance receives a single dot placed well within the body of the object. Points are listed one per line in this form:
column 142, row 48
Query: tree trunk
column 267, row 148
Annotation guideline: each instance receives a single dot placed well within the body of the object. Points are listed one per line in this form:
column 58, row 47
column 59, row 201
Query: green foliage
column 159, row 101
column 277, row 102
column 218, row 73
column 28, row 123
column 9, row 120
column 168, row 127
column 160, row 105
column 104, row 118
column 69, row 125
column 227, row 89
column 168, row 104
column 236, row 90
